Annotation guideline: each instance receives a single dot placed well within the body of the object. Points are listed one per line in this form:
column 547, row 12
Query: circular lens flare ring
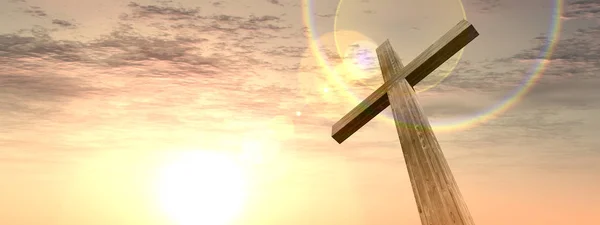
column 340, row 45
column 464, row 122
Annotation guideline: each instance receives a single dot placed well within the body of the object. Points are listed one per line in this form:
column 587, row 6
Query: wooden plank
column 440, row 51
column 438, row 198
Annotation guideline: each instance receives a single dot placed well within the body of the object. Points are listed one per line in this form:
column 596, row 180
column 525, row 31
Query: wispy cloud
column 275, row 2
column 170, row 13
column 581, row 9
column 219, row 52
column 486, row 6
column 63, row 23
column 39, row 45
column 35, row 11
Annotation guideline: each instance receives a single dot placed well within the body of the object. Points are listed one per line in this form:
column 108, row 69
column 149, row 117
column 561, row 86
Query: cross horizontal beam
column 436, row 54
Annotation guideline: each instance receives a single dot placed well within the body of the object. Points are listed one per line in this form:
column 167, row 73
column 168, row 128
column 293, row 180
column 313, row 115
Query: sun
column 202, row 188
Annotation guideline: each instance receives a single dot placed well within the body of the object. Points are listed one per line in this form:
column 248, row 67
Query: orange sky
column 157, row 112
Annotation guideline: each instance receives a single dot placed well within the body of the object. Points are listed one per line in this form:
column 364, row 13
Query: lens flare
column 346, row 15
column 339, row 82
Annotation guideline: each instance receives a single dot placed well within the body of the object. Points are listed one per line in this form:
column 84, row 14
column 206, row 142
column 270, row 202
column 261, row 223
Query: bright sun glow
column 202, row 188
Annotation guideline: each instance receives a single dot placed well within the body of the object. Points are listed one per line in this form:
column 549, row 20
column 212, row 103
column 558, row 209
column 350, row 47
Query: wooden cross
column 438, row 199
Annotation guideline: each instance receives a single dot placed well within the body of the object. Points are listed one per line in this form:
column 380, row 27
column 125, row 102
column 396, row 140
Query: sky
column 197, row 112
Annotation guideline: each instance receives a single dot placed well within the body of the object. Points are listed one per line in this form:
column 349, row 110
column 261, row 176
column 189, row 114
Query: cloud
column 174, row 68
column 553, row 111
column 581, row 9
column 39, row 77
column 35, row 11
column 575, row 57
column 29, row 96
column 126, row 47
column 171, row 13
column 256, row 23
column 39, row 44
column 39, row 12
column 173, row 42
column 578, row 55
column 39, row 88
column 63, row 23
column 275, row 2
column 199, row 74
column 368, row 11
column 288, row 51
column 183, row 44
column 326, row 15
column 485, row 6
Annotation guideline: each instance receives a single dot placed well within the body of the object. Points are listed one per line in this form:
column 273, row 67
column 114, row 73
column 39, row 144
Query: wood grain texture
column 438, row 198
column 440, row 51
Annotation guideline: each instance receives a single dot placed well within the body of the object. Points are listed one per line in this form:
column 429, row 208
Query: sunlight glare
column 202, row 188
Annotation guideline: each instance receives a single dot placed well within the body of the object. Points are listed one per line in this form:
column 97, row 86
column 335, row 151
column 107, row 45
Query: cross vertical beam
column 438, row 198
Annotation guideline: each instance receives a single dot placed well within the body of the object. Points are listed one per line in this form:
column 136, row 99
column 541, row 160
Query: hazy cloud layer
column 186, row 46
column 582, row 9
column 209, row 75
